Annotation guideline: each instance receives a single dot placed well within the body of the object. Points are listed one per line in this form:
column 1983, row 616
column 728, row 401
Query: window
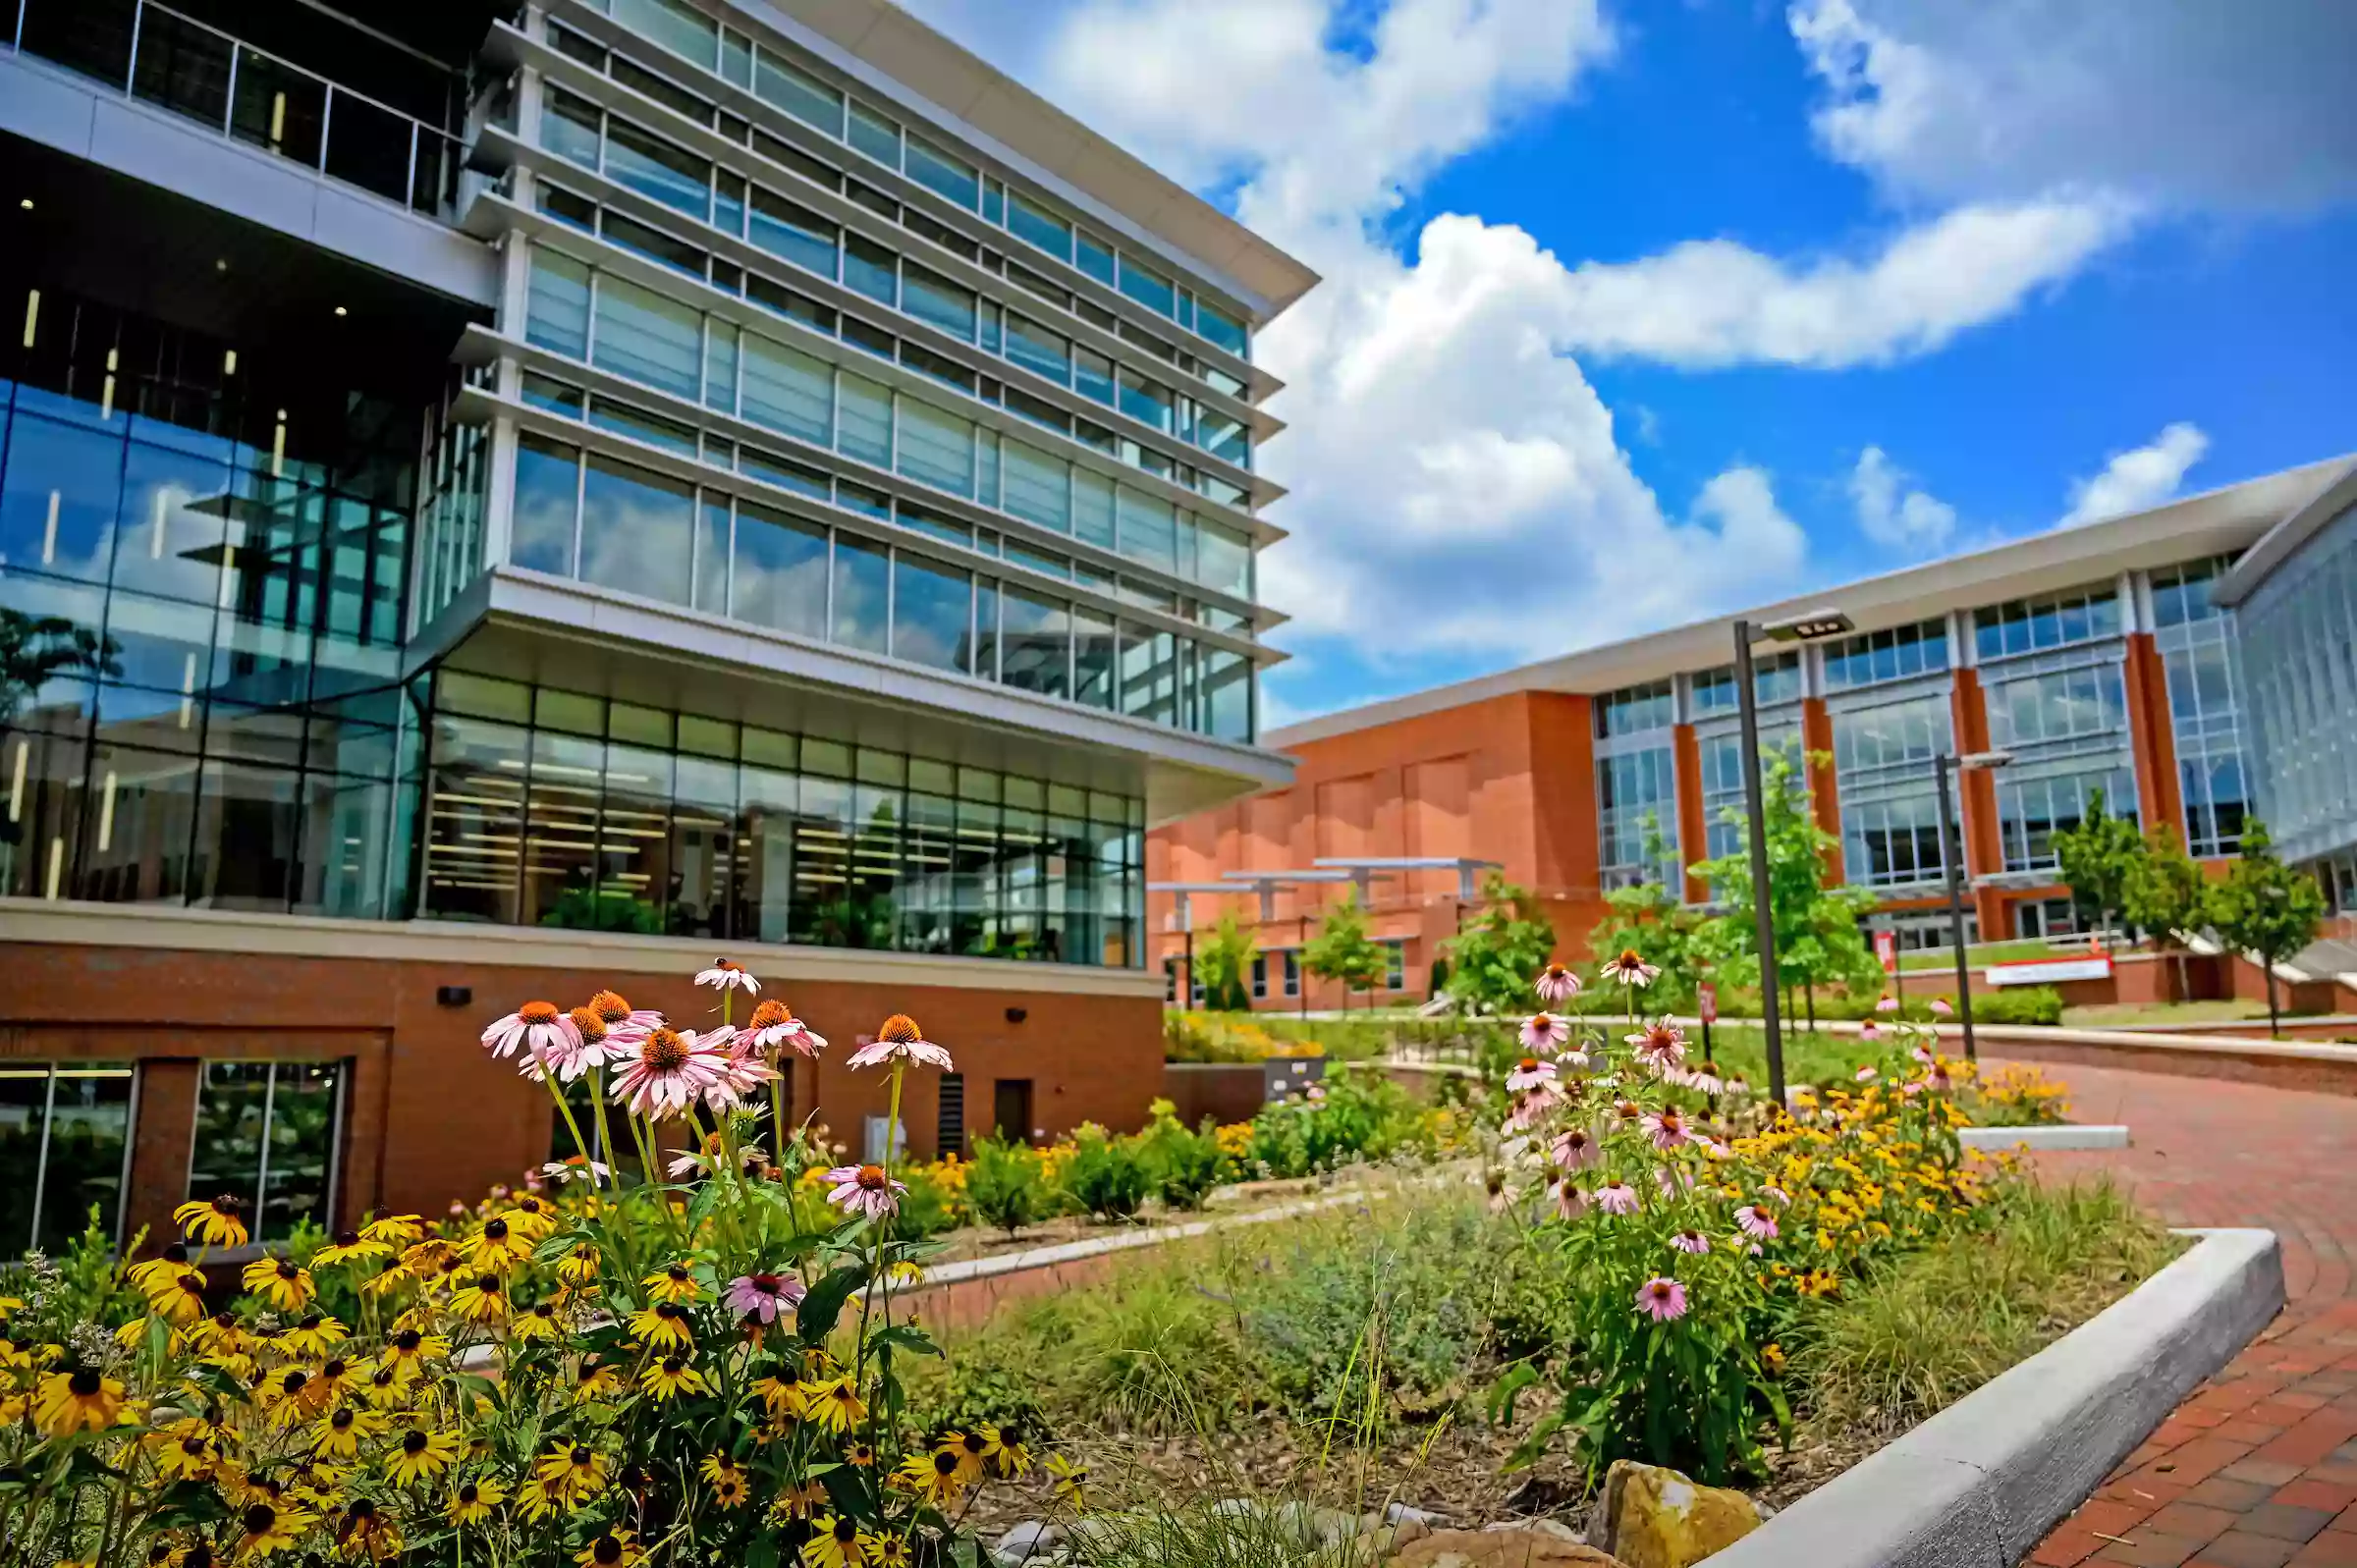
column 657, row 170
column 2027, row 625
column 1721, row 757
column 569, row 128
column 1223, row 329
column 1260, row 977
column 2031, row 811
column 1774, row 680
column 935, row 300
column 672, row 24
column 871, row 269
column 792, row 232
column 787, row 390
column 547, row 490
column 932, row 612
column 1039, row 351
column 1636, row 799
column 1031, row 222
column 1633, row 710
column 557, row 318
column 778, row 575
column 2181, row 594
column 1895, row 735
column 648, row 337
column 1149, row 288
column 952, row 178
column 2066, row 705
column 797, row 92
column 269, row 1133
column 1035, row 643
column 858, row 610
column 1394, row 965
column 65, row 1141
column 1892, row 841
column 1892, row 653
column 638, row 530
column 2198, row 657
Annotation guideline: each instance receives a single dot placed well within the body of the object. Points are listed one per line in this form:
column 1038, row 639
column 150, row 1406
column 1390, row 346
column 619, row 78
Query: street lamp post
column 1951, row 850
column 1810, row 628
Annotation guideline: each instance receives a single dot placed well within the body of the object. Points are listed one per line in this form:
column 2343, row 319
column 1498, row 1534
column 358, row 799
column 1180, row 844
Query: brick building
column 498, row 500
column 2096, row 656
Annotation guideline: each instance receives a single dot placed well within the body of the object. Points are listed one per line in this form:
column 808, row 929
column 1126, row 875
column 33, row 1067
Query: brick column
column 1825, row 794
column 1692, row 831
column 162, row 1137
column 1976, row 799
column 2152, row 738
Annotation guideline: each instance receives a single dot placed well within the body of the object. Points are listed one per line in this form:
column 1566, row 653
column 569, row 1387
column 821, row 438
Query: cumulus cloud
column 1893, row 511
column 2137, row 479
column 2239, row 105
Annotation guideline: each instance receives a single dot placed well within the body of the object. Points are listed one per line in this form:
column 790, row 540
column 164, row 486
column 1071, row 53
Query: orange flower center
column 871, row 1177
column 1530, row 1064
column 1660, row 1291
column 591, row 1026
column 769, row 1015
column 664, row 1051
column 900, row 1029
column 609, row 1008
column 538, row 1012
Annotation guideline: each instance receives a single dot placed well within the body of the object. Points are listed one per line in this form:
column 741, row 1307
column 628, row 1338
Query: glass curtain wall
column 1636, row 786
column 2053, row 680
column 2195, row 640
column 65, row 1151
column 551, row 808
column 201, row 575
column 2298, row 645
column 1883, row 761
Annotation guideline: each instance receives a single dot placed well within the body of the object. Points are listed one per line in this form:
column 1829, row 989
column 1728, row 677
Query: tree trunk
column 1810, row 991
column 2275, row 1024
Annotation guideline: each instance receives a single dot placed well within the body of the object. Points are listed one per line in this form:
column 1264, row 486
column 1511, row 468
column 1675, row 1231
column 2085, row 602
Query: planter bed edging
column 2058, row 1135
column 1980, row 1484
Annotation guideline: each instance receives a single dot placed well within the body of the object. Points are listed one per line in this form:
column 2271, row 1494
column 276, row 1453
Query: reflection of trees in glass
column 583, row 908
column 266, row 1133
column 857, row 920
column 36, row 649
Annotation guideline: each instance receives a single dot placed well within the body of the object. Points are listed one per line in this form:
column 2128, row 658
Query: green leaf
column 1517, row 1378
column 909, row 1337
column 186, row 1505
column 815, row 1318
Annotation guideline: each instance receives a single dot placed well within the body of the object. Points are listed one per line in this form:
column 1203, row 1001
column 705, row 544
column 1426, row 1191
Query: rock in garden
column 1031, row 1540
column 1649, row 1517
column 1399, row 1513
column 1516, row 1547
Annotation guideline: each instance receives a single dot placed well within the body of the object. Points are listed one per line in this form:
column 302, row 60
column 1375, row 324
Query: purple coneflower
column 1867, row 1074
column 761, row 1296
column 1887, row 1005
column 665, row 1069
column 1940, row 1007
column 1530, row 1108
column 1937, row 1079
column 743, row 1069
column 1530, row 1072
column 577, row 1168
column 1756, row 1222
column 900, row 1039
column 1616, row 1196
column 1693, row 1241
column 1673, row 1182
column 1570, row 1199
column 1661, row 1044
column 1923, row 1054
column 1575, row 1149
column 1867, row 1031
column 1666, row 1127
column 1704, row 1079
column 773, row 1025
column 1557, row 985
column 536, row 1026
column 726, row 976
column 1544, row 1031
column 1783, row 1199
column 1661, row 1300
column 1572, row 1062
column 1631, row 969
column 864, row 1190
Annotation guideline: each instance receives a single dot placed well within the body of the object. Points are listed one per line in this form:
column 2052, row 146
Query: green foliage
column 585, row 908
column 1491, row 961
column 927, row 1208
column 2167, row 896
column 1655, row 920
column 1818, row 942
column 36, row 649
column 1223, row 961
column 1185, row 1165
column 1342, row 950
column 84, row 1282
column 1106, row 1175
column 1352, row 1115
column 2098, row 858
column 1006, row 1185
column 2266, row 908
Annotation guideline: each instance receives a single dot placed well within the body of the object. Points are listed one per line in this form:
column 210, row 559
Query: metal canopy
column 1465, row 867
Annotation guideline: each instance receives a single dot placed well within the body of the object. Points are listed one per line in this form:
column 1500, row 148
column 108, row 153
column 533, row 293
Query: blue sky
column 1637, row 312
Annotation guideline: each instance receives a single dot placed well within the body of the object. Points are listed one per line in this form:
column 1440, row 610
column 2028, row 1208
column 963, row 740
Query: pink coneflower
column 743, row 1069
column 1756, row 1222
column 1570, row 1199
column 1936, row 1078
column 1737, row 1085
column 1661, row 1300
column 774, row 1027
column 864, row 1190
column 1666, row 1128
column 1867, row 1074
column 1923, row 1054
column 537, row 1027
column 899, row 1039
column 1631, row 969
column 577, row 1168
column 1616, row 1196
column 761, row 1296
column 620, row 1017
column 1867, row 1031
column 1530, row 1106
column 1672, row 1180
column 1530, row 1072
column 1887, row 1005
column 1940, row 1007
column 1500, row 1196
column 1572, row 1062
column 1314, row 1094
column 1544, row 1031
column 1693, row 1241
column 1703, row 1078
column 665, row 1069
column 1660, row 1044
column 1783, row 1199
column 726, row 976
column 1557, row 985
column 1575, row 1149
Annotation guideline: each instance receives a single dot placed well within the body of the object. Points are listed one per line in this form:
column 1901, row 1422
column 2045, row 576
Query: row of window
column 785, row 84
column 1894, row 653
column 1281, row 966
column 613, row 324
column 570, row 811
column 581, row 131
column 268, row 1133
column 1774, row 680
column 2297, row 634
column 2029, row 626
column 2066, row 705
column 608, row 522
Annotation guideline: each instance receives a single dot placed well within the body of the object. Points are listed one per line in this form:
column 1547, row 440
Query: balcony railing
column 156, row 55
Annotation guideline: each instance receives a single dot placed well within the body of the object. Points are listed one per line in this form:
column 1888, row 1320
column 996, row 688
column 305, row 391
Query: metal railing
column 157, row 55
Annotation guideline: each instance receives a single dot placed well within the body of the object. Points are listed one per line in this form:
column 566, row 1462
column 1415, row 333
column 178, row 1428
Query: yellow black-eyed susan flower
column 974, row 1447
column 572, row 1472
column 316, row 1334
column 393, row 1231
column 367, row 1532
column 835, row 1405
column 596, row 1380
column 670, row 1377
column 281, row 1282
column 419, row 1455
column 84, row 1399
column 337, row 1438
column 166, row 1265
column 616, row 1548
column 481, row 1299
column 473, row 1501
column 213, row 1223
column 267, row 1527
column 784, row 1393
column 837, row 1542
column 673, row 1284
column 938, row 1478
column 663, row 1326
column 1071, row 1483
column 727, row 1479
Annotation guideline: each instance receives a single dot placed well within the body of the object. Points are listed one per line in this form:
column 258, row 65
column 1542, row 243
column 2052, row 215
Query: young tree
column 2167, row 896
column 1493, row 960
column 2096, row 858
column 1817, row 936
column 1655, row 920
column 2266, row 909
column 1221, row 961
column 1341, row 949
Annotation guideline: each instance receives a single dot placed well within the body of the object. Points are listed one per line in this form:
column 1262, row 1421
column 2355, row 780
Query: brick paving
column 2258, row 1468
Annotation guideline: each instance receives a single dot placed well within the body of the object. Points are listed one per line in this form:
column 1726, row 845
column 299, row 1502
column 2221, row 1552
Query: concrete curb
column 1017, row 1263
column 1980, row 1484
column 2067, row 1135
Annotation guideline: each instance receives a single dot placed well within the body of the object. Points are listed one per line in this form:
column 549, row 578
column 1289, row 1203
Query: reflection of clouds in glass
column 780, row 574
column 541, row 533
column 57, row 511
column 638, row 532
column 931, row 608
column 863, row 595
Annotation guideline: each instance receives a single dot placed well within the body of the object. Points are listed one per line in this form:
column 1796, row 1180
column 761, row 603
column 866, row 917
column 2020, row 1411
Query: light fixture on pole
column 1810, row 628
column 1953, row 855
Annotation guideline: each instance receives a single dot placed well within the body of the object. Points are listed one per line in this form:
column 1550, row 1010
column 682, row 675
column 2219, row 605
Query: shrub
column 1006, row 1185
column 1106, row 1175
column 930, row 1207
column 1185, row 1165
column 2017, row 1095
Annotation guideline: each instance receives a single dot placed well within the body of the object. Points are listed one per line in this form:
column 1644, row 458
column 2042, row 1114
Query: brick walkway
column 2257, row 1469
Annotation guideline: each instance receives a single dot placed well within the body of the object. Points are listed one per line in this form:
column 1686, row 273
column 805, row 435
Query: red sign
column 1707, row 999
column 1886, row 950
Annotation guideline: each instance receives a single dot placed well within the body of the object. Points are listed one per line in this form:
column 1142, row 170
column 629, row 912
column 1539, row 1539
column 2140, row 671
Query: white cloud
column 1890, row 511
column 2227, row 104
column 2137, row 479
